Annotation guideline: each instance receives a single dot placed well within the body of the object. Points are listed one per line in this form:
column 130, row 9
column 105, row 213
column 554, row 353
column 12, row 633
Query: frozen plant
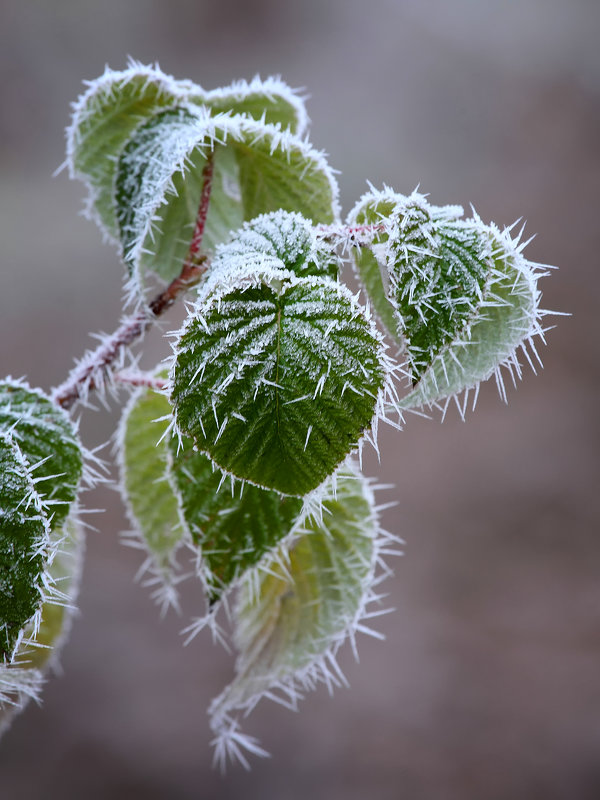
column 240, row 454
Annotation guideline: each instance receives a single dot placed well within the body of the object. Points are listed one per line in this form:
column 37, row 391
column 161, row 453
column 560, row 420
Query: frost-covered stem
column 83, row 378
column 140, row 379
column 91, row 370
column 207, row 179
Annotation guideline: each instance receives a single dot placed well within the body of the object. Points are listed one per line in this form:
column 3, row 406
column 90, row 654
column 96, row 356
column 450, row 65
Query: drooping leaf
column 152, row 505
column 24, row 545
column 299, row 605
column 257, row 169
column 277, row 377
column 507, row 318
column 234, row 526
column 22, row 680
column 49, row 442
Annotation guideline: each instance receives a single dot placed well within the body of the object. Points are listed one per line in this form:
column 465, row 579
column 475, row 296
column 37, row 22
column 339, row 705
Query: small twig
column 140, row 379
column 207, row 179
column 89, row 373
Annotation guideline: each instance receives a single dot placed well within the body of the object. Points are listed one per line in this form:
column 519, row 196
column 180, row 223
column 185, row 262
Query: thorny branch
column 86, row 376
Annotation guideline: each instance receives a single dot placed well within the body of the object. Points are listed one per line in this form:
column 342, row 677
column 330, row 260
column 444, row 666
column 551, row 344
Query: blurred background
column 488, row 686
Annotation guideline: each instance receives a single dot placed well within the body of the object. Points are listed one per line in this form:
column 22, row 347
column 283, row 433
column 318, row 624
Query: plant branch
column 95, row 367
column 140, row 379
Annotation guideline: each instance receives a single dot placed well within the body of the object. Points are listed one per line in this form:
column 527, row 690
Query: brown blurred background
column 488, row 686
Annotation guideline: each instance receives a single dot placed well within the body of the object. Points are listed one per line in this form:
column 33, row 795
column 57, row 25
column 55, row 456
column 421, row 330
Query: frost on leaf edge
column 183, row 92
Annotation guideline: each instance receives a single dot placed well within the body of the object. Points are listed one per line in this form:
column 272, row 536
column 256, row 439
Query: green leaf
column 49, row 442
column 276, row 377
column 119, row 102
column 24, row 545
column 233, row 526
column 437, row 279
column 258, row 169
column 281, row 241
column 437, row 267
column 104, row 117
column 298, row 607
column 507, row 317
column 269, row 100
column 152, row 504
column 22, row 679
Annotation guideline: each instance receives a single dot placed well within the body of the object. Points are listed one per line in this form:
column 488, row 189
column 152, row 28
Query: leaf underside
column 233, row 526
column 368, row 266
column 149, row 494
column 301, row 603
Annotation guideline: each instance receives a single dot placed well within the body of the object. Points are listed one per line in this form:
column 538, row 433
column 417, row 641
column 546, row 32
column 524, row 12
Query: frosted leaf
column 45, row 434
column 298, row 606
column 104, row 117
column 277, row 377
column 118, row 102
column 233, row 524
column 508, row 317
column 280, row 240
column 257, row 169
column 152, row 505
column 269, row 100
column 22, row 679
column 24, row 545
column 437, row 267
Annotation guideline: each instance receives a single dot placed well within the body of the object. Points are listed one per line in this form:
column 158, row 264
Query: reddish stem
column 83, row 378
column 207, row 180
column 140, row 379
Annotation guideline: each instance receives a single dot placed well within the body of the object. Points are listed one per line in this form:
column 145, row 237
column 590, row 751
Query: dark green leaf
column 24, row 545
column 277, row 379
column 49, row 442
column 233, row 525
